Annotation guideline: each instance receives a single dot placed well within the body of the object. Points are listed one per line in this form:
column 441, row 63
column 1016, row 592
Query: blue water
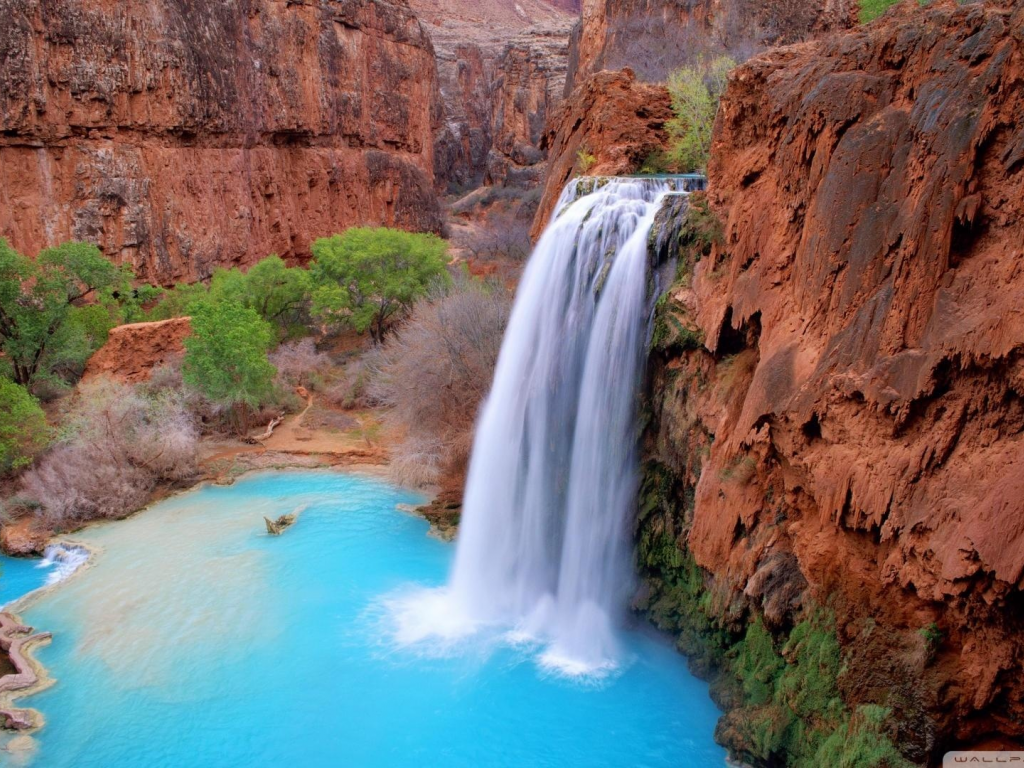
column 20, row 575
column 197, row 640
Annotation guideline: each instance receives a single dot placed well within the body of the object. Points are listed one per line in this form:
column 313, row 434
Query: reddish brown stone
column 613, row 117
column 133, row 351
column 179, row 136
column 866, row 354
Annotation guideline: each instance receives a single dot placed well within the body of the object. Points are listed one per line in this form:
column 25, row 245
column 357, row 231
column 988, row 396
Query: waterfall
column 64, row 560
column 544, row 543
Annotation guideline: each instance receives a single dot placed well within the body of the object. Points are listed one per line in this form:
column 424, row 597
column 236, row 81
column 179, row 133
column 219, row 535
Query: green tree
column 696, row 92
column 226, row 356
column 368, row 277
column 280, row 294
column 39, row 297
column 23, row 428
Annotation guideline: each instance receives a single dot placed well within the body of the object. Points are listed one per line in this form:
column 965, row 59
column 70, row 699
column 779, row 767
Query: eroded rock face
column 856, row 404
column 179, row 135
column 134, row 351
column 653, row 37
column 612, row 117
column 502, row 67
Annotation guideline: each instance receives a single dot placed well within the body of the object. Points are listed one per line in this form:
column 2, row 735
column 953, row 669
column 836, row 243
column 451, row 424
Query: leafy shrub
column 585, row 160
column 368, row 278
column 872, row 9
column 117, row 445
column 23, row 428
column 278, row 293
column 226, row 357
column 176, row 301
column 434, row 372
column 695, row 92
column 44, row 326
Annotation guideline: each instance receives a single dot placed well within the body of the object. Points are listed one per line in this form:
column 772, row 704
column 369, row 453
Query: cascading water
column 543, row 544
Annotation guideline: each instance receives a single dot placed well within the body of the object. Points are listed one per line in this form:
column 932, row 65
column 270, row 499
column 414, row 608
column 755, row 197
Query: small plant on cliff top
column 695, row 92
column 585, row 160
column 368, row 278
column 872, row 9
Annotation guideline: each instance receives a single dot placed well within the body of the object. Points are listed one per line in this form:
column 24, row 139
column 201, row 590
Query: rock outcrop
column 179, row 136
column 134, row 351
column 841, row 404
column 653, row 37
column 502, row 67
column 611, row 118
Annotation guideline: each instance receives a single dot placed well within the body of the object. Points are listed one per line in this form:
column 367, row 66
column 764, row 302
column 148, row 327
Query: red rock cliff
column 502, row 67
column 856, row 409
column 180, row 135
column 613, row 118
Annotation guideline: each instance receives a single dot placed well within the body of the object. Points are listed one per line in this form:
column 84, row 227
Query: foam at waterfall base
column 432, row 623
column 64, row 560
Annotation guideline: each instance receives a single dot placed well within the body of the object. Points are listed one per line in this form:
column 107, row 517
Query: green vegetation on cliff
column 872, row 9
column 695, row 92
column 781, row 688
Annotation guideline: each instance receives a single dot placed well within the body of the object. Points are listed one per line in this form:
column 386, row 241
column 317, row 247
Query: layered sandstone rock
column 653, row 37
column 134, row 351
column 611, row 117
column 855, row 410
column 179, row 136
column 502, row 67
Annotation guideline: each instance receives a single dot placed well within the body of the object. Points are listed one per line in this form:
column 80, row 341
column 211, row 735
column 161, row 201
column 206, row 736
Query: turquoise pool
column 197, row 640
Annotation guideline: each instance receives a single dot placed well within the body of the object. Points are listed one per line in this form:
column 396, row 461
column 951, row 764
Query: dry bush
column 503, row 235
column 435, row 371
column 119, row 443
column 348, row 387
column 299, row 364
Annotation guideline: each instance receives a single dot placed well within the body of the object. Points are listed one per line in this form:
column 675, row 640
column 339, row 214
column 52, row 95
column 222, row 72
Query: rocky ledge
column 835, row 433
column 24, row 676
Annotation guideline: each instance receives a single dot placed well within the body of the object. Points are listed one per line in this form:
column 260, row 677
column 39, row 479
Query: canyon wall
column 653, row 37
column 836, row 405
column 611, row 117
column 181, row 135
column 502, row 67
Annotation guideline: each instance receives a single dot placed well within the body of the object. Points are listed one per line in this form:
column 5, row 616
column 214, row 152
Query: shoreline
column 31, row 676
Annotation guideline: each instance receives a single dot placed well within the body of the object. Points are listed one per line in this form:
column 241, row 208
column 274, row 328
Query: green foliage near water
column 368, row 278
column 56, row 309
column 23, row 428
column 785, row 685
column 226, row 356
column 695, row 92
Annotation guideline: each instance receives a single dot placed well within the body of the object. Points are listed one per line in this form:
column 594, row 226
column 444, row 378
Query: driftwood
column 266, row 434
column 279, row 526
column 284, row 522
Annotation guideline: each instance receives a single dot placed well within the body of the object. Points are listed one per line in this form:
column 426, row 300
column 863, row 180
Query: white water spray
column 544, row 539
column 64, row 559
